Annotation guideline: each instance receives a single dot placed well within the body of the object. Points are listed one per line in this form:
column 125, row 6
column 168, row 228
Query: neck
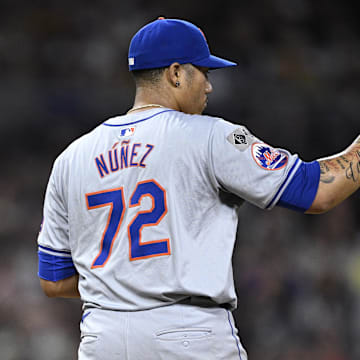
column 145, row 107
column 146, row 98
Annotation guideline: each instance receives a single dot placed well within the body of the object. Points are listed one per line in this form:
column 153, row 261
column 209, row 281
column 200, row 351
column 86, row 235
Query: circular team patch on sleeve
column 267, row 157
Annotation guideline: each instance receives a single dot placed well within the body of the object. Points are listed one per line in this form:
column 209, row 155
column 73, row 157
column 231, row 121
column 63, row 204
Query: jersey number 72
column 115, row 199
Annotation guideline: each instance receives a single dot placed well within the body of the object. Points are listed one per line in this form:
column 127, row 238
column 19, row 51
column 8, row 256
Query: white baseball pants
column 174, row 332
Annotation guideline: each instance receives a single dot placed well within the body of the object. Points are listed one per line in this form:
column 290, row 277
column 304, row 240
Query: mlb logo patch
column 269, row 158
column 127, row 132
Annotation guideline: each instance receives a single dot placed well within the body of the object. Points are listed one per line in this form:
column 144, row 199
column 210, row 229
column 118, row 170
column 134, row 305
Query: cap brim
column 214, row 62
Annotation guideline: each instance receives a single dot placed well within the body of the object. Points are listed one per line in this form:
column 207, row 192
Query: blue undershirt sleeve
column 55, row 268
column 301, row 191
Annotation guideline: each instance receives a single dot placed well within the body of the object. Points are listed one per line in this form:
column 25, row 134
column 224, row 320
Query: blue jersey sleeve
column 301, row 191
column 55, row 265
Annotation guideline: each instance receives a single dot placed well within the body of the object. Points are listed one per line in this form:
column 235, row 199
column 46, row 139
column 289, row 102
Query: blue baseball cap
column 165, row 41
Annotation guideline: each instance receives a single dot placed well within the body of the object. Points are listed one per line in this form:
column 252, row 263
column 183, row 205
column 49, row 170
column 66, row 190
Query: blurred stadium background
column 63, row 70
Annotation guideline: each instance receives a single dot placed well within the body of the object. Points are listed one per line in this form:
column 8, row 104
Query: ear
column 174, row 74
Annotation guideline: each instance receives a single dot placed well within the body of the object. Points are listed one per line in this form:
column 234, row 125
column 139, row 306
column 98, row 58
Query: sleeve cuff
column 55, row 268
column 301, row 191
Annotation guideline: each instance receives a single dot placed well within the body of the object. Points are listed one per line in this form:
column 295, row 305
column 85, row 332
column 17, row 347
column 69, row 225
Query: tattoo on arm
column 353, row 171
column 348, row 164
column 340, row 163
column 339, row 178
column 350, row 172
column 355, row 167
column 325, row 177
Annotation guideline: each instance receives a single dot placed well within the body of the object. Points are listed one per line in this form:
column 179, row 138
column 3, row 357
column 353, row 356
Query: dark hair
column 153, row 76
column 150, row 76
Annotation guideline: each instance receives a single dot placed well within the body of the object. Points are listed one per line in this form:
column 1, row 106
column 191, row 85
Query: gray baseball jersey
column 141, row 206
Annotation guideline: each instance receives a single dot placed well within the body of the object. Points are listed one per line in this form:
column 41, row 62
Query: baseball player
column 140, row 214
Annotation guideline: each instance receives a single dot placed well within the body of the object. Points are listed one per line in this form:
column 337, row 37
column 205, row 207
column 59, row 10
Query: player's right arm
column 339, row 178
column 266, row 177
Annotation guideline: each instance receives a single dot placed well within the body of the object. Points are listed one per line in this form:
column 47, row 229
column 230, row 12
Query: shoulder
column 204, row 122
column 211, row 129
column 196, row 118
column 224, row 131
column 79, row 145
column 82, row 142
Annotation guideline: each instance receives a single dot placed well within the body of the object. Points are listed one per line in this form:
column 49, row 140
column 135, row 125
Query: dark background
column 63, row 70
